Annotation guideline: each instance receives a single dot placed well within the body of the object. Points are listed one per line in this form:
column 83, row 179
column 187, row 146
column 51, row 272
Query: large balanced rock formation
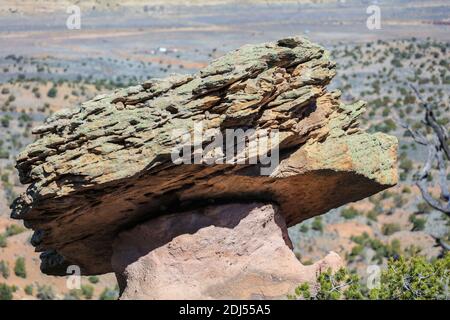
column 103, row 172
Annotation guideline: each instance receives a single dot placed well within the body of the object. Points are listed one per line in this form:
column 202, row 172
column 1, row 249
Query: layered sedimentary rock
column 105, row 167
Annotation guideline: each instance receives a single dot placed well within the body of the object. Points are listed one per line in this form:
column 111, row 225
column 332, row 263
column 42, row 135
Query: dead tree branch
column 438, row 155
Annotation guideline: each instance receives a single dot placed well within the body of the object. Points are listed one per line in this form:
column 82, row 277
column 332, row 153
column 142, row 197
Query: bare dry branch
column 438, row 154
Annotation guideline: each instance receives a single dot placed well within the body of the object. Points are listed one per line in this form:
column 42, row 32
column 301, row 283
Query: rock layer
column 234, row 251
column 105, row 166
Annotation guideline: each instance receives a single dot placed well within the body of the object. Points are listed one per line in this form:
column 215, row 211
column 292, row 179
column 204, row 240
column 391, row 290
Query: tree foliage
column 412, row 278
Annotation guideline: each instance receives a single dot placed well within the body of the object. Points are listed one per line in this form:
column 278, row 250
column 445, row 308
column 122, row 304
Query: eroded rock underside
column 105, row 166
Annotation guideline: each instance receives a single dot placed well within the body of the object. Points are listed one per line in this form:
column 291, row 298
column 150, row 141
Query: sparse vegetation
column 404, row 279
column 52, row 92
column 6, row 292
column 45, row 292
column 19, row 268
column 390, row 228
column 109, row 294
column 317, row 224
column 349, row 213
column 4, row 269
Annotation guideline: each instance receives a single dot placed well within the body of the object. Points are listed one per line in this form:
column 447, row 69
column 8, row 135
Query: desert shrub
column 317, row 224
column 406, row 190
column 45, row 292
column 304, row 228
column 381, row 250
column 6, row 292
column 423, row 207
column 5, row 121
column 388, row 126
column 387, row 194
column 349, row 213
column 3, row 242
column 390, row 228
column 25, row 117
column 355, row 252
column 109, row 294
column 372, row 215
column 13, row 230
column 93, row 279
column 4, row 269
column 399, row 201
column 418, row 223
column 331, row 286
column 19, row 268
column 406, row 164
column 5, row 177
column 403, row 176
column 4, row 154
column 29, row 289
column 87, row 291
column 74, row 294
column 52, row 92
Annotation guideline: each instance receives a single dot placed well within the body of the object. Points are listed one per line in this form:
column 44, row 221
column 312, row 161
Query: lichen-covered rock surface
column 105, row 166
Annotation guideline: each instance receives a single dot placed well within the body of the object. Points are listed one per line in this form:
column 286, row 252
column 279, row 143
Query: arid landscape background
column 45, row 67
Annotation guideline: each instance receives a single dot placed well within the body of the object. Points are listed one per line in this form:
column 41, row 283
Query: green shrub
column 418, row 223
column 304, row 228
column 87, row 291
column 412, row 278
column 331, row 286
column 406, row 190
column 14, row 229
column 349, row 213
column 52, row 92
column 4, row 269
column 4, row 154
column 93, row 279
column 3, row 242
column 406, row 164
column 45, row 292
column 6, row 292
column 317, row 224
column 5, row 121
column 423, row 207
column 372, row 215
column 109, row 294
column 74, row 294
column 28, row 289
column 19, row 268
column 390, row 228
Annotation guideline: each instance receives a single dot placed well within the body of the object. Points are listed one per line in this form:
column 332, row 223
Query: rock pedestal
column 234, row 251
column 105, row 193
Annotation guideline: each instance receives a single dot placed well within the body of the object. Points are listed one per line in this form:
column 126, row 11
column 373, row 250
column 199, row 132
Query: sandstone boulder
column 106, row 166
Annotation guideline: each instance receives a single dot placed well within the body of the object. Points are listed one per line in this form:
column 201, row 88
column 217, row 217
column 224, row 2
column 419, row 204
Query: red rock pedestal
column 234, row 251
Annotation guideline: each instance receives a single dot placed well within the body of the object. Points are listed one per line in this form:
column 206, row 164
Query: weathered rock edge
column 105, row 166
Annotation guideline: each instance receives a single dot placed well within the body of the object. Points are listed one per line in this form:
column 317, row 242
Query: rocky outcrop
column 106, row 166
